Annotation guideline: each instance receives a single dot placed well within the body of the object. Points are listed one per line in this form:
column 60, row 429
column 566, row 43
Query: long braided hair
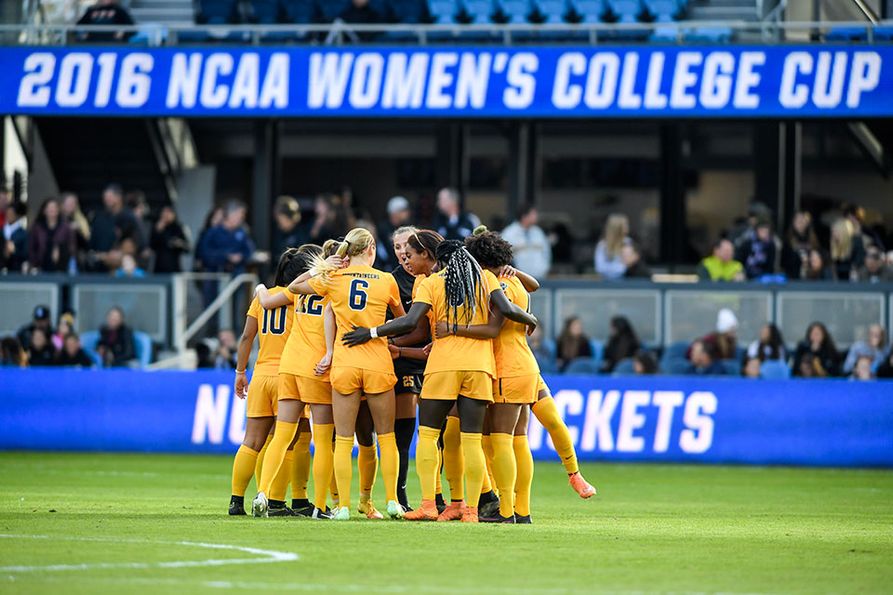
column 463, row 283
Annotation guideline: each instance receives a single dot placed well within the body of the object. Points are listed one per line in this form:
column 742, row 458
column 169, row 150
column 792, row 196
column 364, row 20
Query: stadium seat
column 626, row 11
column 675, row 366
column 732, row 367
column 676, row 350
column 663, row 11
column 302, row 12
column 588, row 11
column 443, row 12
column 843, row 33
column 775, row 370
column 548, row 367
column 582, row 365
column 89, row 340
column 266, row 12
column 710, row 34
column 514, row 11
column 625, row 367
column 142, row 345
column 408, row 11
column 217, row 12
column 329, row 10
column 598, row 350
column 551, row 12
column 551, row 347
column 479, row 12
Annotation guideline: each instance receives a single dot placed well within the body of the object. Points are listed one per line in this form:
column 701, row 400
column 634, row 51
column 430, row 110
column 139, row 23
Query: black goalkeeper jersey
column 404, row 366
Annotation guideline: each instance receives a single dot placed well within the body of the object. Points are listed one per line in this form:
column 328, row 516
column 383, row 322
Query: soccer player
column 360, row 296
column 274, row 327
column 459, row 371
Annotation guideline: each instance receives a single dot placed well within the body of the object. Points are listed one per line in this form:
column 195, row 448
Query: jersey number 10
column 274, row 321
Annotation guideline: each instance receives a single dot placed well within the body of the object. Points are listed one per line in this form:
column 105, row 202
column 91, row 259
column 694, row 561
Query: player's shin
column 323, row 463
column 547, row 414
column 475, row 467
column 524, row 480
column 505, row 472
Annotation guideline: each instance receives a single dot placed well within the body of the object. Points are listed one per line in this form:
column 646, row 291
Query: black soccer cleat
column 321, row 515
column 523, row 519
column 440, row 503
column 237, row 506
column 279, row 509
column 301, row 507
column 498, row 518
column 488, row 506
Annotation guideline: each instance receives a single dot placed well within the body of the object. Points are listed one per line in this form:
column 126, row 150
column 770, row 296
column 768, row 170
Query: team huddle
column 366, row 353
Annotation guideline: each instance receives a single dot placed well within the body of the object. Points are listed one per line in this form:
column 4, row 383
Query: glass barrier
column 18, row 300
column 847, row 315
column 541, row 306
column 145, row 306
column 692, row 314
column 596, row 307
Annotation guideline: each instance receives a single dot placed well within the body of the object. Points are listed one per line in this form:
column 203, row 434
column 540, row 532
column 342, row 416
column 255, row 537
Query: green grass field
column 136, row 523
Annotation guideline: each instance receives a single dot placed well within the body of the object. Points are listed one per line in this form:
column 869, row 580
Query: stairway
column 86, row 154
column 164, row 12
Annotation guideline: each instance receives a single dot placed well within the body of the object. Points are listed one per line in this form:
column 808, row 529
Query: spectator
column 608, row 252
column 399, row 215
column 72, row 355
column 530, row 245
column 11, row 353
column 129, row 268
column 40, row 319
column 169, row 241
column 116, row 345
column 632, row 260
column 63, row 329
column 867, row 236
column 725, row 340
column 770, row 345
column 798, row 243
column 863, row 370
column 361, row 12
column 874, row 270
column 15, row 238
column 644, row 363
column 105, row 13
column 212, row 220
column 721, row 265
column 757, row 253
column 875, row 348
column 824, row 359
column 847, row 251
column 288, row 232
column 227, row 247
column 136, row 203
column 323, row 227
column 51, row 242
column 705, row 360
column 451, row 221
column 40, row 349
column 622, row 343
column 109, row 227
column 751, row 367
column 77, row 221
column 572, row 343
column 817, row 268
column 538, row 347
column 226, row 355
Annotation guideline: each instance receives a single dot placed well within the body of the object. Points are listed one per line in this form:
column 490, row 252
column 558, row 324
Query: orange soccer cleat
column 426, row 512
column 581, row 486
column 453, row 512
column 368, row 508
column 470, row 514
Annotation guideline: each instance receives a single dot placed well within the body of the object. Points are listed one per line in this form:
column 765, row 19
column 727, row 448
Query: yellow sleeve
column 254, row 308
column 320, row 285
column 423, row 294
column 492, row 283
column 289, row 295
column 416, row 284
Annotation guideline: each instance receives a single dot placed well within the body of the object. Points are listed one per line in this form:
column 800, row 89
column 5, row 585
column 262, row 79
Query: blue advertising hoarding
column 542, row 82
column 678, row 419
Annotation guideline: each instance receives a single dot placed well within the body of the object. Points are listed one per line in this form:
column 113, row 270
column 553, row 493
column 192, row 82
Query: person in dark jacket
column 452, row 222
column 40, row 319
column 105, row 13
column 110, row 226
column 72, row 355
column 40, row 350
column 51, row 242
column 632, row 258
column 798, row 243
column 116, row 345
column 14, row 250
column 169, row 242
column 757, row 253
column 228, row 247
column 705, row 360
column 572, row 343
column 289, row 232
column 622, row 344
column 819, row 346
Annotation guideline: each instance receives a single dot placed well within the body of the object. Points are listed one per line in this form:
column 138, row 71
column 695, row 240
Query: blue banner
column 680, row 419
column 542, row 82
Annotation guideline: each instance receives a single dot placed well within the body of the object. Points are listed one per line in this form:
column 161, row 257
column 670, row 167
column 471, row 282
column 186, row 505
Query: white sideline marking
column 269, row 556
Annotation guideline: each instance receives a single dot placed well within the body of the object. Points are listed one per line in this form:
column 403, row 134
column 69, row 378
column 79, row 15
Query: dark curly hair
column 489, row 249
column 463, row 282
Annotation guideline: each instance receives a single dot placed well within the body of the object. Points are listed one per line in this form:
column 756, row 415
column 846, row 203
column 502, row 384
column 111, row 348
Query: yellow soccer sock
column 505, row 471
column 323, row 464
column 282, row 437
column 489, row 480
column 333, row 485
column 343, row 468
column 453, row 460
column 547, row 414
column 259, row 465
column 475, row 466
column 367, row 468
column 301, row 470
column 438, row 485
column 243, row 469
column 283, row 478
column 390, row 464
column 426, row 460
column 524, row 481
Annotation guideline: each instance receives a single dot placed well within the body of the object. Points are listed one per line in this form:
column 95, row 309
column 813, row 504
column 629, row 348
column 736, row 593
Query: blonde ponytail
column 354, row 243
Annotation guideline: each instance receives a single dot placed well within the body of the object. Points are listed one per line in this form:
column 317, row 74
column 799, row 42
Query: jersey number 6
column 358, row 294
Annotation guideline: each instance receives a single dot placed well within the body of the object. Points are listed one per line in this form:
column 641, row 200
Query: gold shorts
column 263, row 396
column 306, row 390
column 446, row 386
column 347, row 380
column 517, row 389
column 542, row 386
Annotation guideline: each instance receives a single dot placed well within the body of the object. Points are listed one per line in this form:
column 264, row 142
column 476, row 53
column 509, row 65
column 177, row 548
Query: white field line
column 267, row 556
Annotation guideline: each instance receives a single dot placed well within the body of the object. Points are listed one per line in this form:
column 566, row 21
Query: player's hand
column 323, row 365
column 241, row 386
column 357, row 336
column 507, row 271
column 258, row 288
column 442, row 330
column 427, row 349
column 532, row 327
column 395, row 351
column 337, row 261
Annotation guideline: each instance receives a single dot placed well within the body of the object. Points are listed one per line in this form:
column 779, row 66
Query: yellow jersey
column 454, row 353
column 273, row 329
column 307, row 342
column 513, row 354
column 360, row 296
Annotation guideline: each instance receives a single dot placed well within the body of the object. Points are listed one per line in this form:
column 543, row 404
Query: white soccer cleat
column 342, row 513
column 395, row 509
column 260, row 507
